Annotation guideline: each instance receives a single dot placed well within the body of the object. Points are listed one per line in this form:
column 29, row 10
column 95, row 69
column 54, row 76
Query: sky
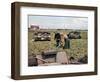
column 58, row 22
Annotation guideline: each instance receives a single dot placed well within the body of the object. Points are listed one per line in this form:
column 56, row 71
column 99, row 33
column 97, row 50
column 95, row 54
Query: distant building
column 34, row 27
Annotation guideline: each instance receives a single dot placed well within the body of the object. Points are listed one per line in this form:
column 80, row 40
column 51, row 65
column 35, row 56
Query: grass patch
column 78, row 46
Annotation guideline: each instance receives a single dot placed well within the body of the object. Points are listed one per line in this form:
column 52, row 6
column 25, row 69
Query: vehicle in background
column 42, row 36
column 74, row 35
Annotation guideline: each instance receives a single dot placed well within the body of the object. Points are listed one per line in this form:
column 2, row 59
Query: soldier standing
column 67, row 42
column 58, row 39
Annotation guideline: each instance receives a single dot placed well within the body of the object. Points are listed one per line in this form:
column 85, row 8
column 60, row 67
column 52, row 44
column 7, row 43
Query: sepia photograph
column 57, row 40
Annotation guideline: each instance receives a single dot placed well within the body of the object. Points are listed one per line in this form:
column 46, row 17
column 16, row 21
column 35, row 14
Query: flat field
column 78, row 47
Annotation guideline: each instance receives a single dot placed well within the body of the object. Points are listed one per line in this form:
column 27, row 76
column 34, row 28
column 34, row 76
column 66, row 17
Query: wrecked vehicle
column 74, row 35
column 42, row 36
